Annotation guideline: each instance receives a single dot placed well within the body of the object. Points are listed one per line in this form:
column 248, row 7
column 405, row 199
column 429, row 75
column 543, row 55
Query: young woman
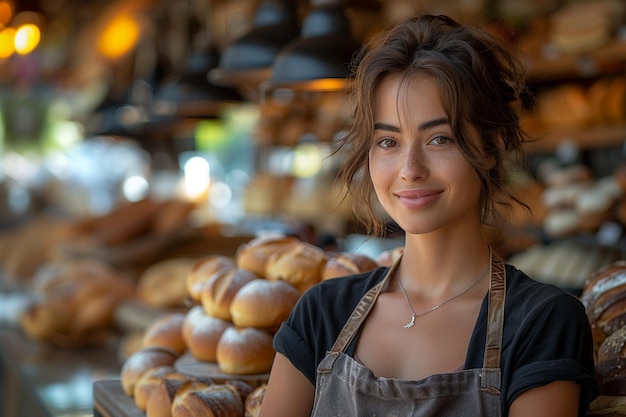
column 448, row 330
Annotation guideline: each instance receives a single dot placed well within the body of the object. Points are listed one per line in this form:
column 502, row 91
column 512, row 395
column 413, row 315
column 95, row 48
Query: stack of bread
column 238, row 305
column 604, row 298
column 159, row 389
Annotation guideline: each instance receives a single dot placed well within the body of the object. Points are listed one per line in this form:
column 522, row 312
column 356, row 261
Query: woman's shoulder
column 525, row 293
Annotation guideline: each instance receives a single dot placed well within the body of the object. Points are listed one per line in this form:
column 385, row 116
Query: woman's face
column 419, row 173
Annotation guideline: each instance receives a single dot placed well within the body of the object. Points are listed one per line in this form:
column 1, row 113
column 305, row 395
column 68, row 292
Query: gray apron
column 347, row 388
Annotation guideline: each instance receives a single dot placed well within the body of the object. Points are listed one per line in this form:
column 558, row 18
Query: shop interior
column 139, row 133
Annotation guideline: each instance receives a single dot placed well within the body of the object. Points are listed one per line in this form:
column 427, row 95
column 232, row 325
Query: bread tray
column 189, row 365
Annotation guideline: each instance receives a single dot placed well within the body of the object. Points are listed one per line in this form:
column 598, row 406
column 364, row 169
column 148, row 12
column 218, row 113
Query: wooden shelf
column 607, row 58
column 586, row 139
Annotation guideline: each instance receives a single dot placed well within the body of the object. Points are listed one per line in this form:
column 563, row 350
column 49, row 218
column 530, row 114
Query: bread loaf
column 161, row 398
column 142, row 361
column 219, row 400
column 202, row 270
column 202, row 333
column 150, row 379
column 254, row 401
column 166, row 331
column 253, row 255
column 347, row 263
column 245, row 351
column 300, row 264
column 263, row 304
column 220, row 289
column 164, row 284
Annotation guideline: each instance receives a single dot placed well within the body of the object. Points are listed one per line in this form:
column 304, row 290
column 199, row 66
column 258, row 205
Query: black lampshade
column 320, row 58
column 192, row 94
column 250, row 58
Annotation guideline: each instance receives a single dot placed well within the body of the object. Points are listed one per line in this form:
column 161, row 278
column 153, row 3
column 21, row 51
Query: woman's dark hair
column 482, row 83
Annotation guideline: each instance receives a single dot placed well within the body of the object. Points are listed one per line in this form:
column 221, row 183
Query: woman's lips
column 417, row 198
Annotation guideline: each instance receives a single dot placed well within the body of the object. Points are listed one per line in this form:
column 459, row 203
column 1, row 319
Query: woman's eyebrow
column 424, row 126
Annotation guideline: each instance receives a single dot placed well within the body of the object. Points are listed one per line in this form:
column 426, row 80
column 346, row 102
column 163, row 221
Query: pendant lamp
column 248, row 61
column 191, row 94
column 319, row 60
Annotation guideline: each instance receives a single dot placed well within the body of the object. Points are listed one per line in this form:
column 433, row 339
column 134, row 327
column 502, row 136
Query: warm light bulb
column 7, row 42
column 119, row 37
column 27, row 38
column 197, row 177
column 6, row 13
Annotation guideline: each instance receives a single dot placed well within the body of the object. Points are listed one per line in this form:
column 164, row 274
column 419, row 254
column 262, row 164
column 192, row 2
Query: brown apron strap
column 361, row 311
column 495, row 317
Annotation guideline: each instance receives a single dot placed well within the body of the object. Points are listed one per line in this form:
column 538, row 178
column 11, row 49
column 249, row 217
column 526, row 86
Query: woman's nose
column 413, row 164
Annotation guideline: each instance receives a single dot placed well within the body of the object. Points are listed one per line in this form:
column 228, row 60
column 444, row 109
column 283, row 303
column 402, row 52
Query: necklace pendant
column 411, row 324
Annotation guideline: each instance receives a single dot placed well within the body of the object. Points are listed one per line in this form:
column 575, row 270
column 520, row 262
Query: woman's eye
column 441, row 140
column 386, row 142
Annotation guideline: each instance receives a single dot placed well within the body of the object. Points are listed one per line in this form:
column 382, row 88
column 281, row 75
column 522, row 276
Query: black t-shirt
column 546, row 333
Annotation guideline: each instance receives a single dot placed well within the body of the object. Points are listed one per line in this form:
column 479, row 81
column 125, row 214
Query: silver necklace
column 415, row 315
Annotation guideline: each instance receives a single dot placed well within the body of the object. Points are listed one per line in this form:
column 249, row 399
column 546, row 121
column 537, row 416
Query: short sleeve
column 553, row 343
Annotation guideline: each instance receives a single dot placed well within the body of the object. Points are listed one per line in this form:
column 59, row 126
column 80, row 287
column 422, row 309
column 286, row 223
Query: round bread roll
column 167, row 331
column 300, row 264
column 611, row 364
column 219, row 290
column 164, row 284
column 254, row 401
column 150, row 379
column 253, row 255
column 347, row 263
column 202, row 270
column 159, row 403
column 202, row 333
column 263, row 304
column 218, row 400
column 245, row 351
column 142, row 361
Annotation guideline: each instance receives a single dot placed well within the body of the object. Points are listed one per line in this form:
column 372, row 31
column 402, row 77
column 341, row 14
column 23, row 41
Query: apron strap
column 495, row 317
column 361, row 311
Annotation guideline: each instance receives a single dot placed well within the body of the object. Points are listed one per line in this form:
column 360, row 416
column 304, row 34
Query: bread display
column 300, row 264
column 75, row 303
column 166, row 331
column 347, row 263
column 242, row 351
column 220, row 289
column 141, row 362
column 220, row 400
column 253, row 256
column 263, row 304
column 202, row 270
column 202, row 333
column 164, row 283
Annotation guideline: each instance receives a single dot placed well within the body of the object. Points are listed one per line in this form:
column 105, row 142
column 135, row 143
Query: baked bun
column 245, row 351
column 141, row 362
column 167, row 331
column 202, row 270
column 263, row 304
column 218, row 400
column 300, row 264
column 164, row 284
column 611, row 364
column 161, row 398
column 220, row 289
column 202, row 333
column 150, row 379
column 347, row 263
column 254, row 401
column 253, row 255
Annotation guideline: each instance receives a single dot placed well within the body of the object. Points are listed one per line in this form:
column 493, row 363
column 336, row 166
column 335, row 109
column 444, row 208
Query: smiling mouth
column 415, row 199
